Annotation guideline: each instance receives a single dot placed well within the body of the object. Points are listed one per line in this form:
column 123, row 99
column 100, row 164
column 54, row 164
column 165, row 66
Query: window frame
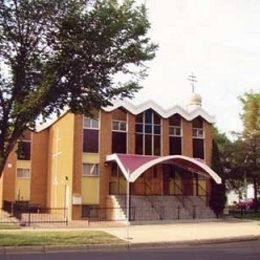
column 120, row 123
column 91, row 125
column 149, row 125
column 197, row 135
column 94, row 167
column 23, row 170
column 19, row 157
column 175, row 128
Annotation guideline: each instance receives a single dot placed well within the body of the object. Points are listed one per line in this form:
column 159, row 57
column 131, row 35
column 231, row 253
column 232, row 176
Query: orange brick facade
column 43, row 166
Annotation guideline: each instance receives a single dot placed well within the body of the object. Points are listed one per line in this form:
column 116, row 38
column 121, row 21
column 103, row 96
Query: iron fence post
column 194, row 212
column 29, row 217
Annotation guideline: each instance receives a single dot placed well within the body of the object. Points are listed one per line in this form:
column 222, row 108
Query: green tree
column 244, row 153
column 250, row 139
column 219, row 163
column 67, row 54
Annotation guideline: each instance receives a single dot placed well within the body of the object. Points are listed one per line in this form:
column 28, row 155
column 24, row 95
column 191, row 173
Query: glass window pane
column 95, row 123
column 23, row 173
column 197, row 122
column 139, row 144
column 90, row 141
column 118, row 142
column 148, row 129
column 148, row 144
column 157, row 130
column 157, row 145
column 175, row 120
column 175, row 145
column 139, row 118
column 177, row 131
column 198, row 148
column 123, row 126
column 24, row 150
column 115, row 125
column 139, row 128
column 91, row 123
column 156, row 118
column 148, row 116
column 90, row 169
column 87, row 122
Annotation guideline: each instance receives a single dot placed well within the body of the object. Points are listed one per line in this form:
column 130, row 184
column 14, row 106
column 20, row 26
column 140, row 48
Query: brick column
column 187, row 149
column 105, row 148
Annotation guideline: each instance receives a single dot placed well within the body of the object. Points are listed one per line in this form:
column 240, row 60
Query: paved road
column 228, row 251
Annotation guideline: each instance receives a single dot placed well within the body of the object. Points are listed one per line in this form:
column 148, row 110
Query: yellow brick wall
column 22, row 185
column 60, row 171
column 90, row 184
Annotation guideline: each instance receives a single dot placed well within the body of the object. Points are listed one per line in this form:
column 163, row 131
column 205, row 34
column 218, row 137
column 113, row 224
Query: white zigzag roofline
column 165, row 113
column 137, row 109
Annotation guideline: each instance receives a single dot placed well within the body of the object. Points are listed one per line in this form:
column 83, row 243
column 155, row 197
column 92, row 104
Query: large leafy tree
column 250, row 139
column 66, row 54
column 244, row 155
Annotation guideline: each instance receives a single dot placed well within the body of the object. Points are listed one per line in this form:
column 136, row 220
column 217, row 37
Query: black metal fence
column 244, row 213
column 26, row 214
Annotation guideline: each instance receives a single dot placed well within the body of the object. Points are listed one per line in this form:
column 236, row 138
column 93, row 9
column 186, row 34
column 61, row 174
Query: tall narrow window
column 24, row 146
column 91, row 135
column 148, row 132
column 119, row 131
column 198, row 138
column 175, row 135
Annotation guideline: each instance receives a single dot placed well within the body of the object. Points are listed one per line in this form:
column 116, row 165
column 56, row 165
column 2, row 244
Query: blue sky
column 218, row 40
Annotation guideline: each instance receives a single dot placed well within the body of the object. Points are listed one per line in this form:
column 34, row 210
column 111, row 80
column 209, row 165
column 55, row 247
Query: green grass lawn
column 9, row 226
column 58, row 238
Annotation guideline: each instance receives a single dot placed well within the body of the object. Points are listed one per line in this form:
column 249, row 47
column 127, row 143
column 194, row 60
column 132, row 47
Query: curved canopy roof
column 133, row 166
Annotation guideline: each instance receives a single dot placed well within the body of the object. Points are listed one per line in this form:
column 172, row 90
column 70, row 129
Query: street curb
column 121, row 247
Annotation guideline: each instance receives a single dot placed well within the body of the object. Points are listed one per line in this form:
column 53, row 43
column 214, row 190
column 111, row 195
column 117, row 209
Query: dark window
column 175, row 145
column 138, row 144
column 148, row 116
column 197, row 123
column 118, row 142
column 156, row 119
column 175, row 120
column 157, row 130
column 148, row 144
column 24, row 150
column 198, row 148
column 90, row 141
column 157, row 145
column 148, row 124
column 139, row 128
column 148, row 129
column 139, row 118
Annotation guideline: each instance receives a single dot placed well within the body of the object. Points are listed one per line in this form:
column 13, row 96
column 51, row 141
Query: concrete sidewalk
column 156, row 235
column 187, row 232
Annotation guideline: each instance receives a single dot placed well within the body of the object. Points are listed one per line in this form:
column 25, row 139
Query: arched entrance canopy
column 133, row 166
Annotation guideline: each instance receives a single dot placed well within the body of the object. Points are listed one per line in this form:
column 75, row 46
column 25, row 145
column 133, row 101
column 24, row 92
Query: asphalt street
column 228, row 251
